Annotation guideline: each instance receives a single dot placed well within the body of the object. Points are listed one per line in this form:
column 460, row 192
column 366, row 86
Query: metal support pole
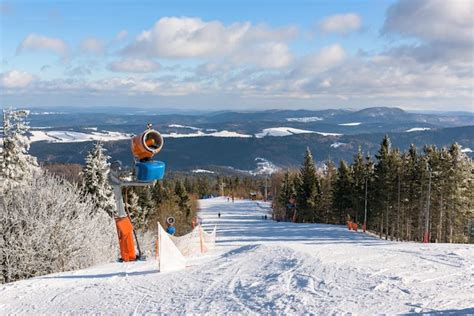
column 266, row 188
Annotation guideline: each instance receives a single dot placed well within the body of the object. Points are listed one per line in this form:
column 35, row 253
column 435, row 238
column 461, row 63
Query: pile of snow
column 287, row 131
column 223, row 133
column 202, row 171
column 417, row 129
column 350, row 124
column 264, row 267
column 304, row 119
column 337, row 144
column 75, row 137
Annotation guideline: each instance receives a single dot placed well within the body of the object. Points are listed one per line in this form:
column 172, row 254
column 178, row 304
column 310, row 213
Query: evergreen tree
column 358, row 185
column 203, row 187
column 182, row 198
column 188, row 185
column 407, row 193
column 342, row 194
column 146, row 205
column 160, row 193
column 459, row 185
column 325, row 208
column 16, row 163
column 382, row 186
column 287, row 192
column 134, row 209
column 307, row 189
column 95, row 181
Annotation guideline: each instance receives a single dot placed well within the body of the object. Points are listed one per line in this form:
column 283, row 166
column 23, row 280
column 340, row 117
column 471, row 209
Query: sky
column 243, row 55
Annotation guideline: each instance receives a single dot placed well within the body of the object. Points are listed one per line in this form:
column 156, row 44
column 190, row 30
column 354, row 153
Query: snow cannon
column 144, row 147
column 147, row 144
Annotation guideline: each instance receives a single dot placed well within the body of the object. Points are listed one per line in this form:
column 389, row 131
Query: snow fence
column 172, row 251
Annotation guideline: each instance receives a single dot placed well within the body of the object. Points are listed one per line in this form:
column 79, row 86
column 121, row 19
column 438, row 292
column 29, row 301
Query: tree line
column 416, row 195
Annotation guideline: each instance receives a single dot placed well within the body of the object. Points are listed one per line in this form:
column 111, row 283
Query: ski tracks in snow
column 263, row 267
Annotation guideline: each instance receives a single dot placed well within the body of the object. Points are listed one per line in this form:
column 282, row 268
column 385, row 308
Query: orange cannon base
column 125, row 236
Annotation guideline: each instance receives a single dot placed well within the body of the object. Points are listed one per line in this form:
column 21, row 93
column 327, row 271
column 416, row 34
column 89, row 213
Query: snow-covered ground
column 202, row 171
column 287, row 131
column 264, row 267
column 350, row 124
column 223, row 133
column 417, row 129
column 304, row 119
column 337, row 144
column 75, row 137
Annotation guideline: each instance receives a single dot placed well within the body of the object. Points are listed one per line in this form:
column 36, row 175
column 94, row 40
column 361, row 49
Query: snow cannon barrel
column 147, row 144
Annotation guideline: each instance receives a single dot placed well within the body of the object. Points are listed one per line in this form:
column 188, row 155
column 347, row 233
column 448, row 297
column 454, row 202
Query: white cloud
column 432, row 20
column 35, row 42
column 121, row 35
column 243, row 63
column 321, row 61
column 444, row 30
column 15, row 79
column 133, row 65
column 341, row 23
column 92, row 45
column 184, row 37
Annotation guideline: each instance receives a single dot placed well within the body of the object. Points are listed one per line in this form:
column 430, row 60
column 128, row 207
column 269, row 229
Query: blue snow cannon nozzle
column 149, row 171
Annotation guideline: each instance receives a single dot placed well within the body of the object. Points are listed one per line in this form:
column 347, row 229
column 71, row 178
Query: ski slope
column 264, row 267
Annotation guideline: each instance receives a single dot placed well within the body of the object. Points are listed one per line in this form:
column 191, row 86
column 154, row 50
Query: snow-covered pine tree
column 95, row 181
column 16, row 165
column 134, row 208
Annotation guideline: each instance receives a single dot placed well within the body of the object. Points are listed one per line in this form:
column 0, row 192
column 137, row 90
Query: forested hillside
column 418, row 194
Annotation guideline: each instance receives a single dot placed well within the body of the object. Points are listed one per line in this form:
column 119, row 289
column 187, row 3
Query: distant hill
column 240, row 153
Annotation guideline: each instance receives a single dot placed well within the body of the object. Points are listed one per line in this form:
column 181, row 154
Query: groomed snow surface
column 264, row 267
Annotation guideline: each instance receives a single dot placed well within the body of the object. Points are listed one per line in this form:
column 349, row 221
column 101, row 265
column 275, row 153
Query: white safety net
column 196, row 242
column 169, row 256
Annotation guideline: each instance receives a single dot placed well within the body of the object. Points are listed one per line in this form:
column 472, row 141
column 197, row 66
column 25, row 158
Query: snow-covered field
column 287, row 131
column 304, row 119
column 199, row 133
column 75, row 137
column 350, row 124
column 417, row 129
column 264, row 267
